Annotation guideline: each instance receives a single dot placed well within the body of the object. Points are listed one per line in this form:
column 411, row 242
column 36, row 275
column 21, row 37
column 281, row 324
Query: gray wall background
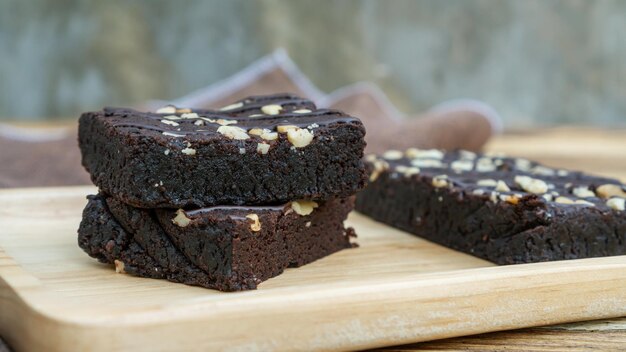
column 536, row 61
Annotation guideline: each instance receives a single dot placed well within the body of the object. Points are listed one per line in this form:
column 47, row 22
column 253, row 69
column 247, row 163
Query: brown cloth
column 30, row 158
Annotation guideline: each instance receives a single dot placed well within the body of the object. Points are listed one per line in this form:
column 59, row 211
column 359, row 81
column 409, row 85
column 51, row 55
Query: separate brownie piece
column 505, row 210
column 261, row 150
column 229, row 248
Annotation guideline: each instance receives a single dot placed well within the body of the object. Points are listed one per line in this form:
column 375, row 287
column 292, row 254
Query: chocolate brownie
column 505, row 210
column 260, row 150
column 229, row 248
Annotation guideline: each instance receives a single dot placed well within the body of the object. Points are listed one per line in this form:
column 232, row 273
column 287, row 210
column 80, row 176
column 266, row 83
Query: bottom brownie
column 228, row 248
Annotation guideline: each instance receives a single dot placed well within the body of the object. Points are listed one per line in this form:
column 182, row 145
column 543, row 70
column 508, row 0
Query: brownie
column 228, row 248
column 260, row 150
column 505, row 210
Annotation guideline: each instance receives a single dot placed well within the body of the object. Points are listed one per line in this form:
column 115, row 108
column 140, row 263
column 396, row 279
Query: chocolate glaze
column 467, row 181
column 129, row 118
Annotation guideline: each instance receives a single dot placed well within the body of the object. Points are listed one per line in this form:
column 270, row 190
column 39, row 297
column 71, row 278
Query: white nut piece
column 584, row 202
column 563, row 200
column 407, row 171
column 583, row 192
column 300, row 137
column 393, row 155
column 467, row 155
column 188, row 151
column 181, row 218
column 440, row 181
column 199, row 123
column 189, row 115
column 169, row 122
column 231, row 106
column 233, row 132
column 523, row 164
column 285, row 128
column 510, row 198
column 462, row 165
column 501, row 186
column 119, row 266
column 168, row 109
column 485, row 165
column 531, row 185
column 548, row 197
column 303, row 207
column 542, row 170
column 611, row 190
column 379, row 166
column 415, row 153
column 256, row 223
column 488, row 182
column 262, row 148
column 427, row 163
column 617, row 203
column 302, row 111
column 225, row 122
column 271, row 109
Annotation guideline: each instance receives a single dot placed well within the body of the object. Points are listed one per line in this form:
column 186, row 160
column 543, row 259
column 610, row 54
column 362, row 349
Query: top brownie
column 260, row 150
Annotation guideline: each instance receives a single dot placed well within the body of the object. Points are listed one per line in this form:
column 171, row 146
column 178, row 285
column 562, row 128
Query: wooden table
column 599, row 151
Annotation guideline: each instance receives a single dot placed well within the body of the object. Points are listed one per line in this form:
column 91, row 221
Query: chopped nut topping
column 232, row 106
column 478, row 192
column 313, row 126
column 610, row 190
column 523, row 164
column 308, row 224
column 242, row 150
column 256, row 131
column 548, row 197
column 562, row 173
column 119, row 266
column 181, row 218
column 272, row 109
column 616, row 203
column 467, row 155
column 183, row 110
column 494, row 197
column 189, row 115
column 531, row 185
column 256, row 115
column 440, row 181
column 393, row 155
column 208, row 119
column 415, row 153
column 487, row 183
column 584, row 202
column 583, row 192
column 256, row 224
column 302, row 111
column 225, row 122
column 262, row 148
column 427, row 163
column 286, row 128
column 542, row 170
column 501, row 186
column 233, row 132
column 485, row 165
column 168, row 109
column 188, row 151
column 166, row 152
column 199, row 123
column 563, row 200
column 300, row 138
column 510, row 198
column 303, row 207
column 168, row 122
column 379, row 166
column 407, row 171
column 462, row 165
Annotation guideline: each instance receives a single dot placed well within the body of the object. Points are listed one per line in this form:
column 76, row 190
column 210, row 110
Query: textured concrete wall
column 537, row 61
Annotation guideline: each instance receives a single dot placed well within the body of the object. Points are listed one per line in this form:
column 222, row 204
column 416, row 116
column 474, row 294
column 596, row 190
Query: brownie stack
column 221, row 199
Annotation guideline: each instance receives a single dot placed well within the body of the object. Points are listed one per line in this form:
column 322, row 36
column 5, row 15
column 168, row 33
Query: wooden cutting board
column 394, row 289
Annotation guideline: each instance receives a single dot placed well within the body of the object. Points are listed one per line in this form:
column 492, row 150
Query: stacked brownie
column 505, row 210
column 221, row 199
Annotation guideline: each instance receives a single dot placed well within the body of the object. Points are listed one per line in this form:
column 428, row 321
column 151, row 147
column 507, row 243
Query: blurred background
column 538, row 62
